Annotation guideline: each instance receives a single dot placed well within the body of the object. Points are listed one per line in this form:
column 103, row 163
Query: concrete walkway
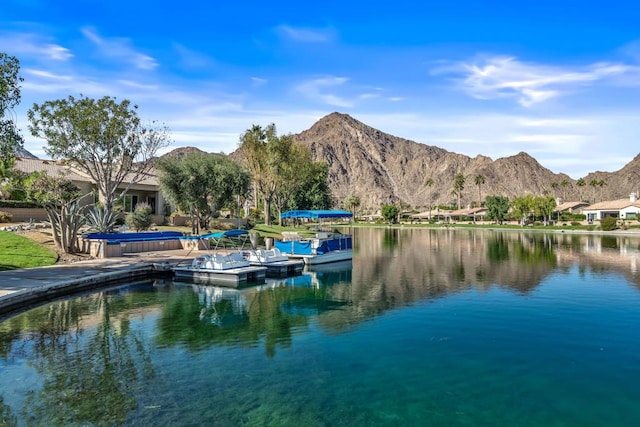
column 27, row 285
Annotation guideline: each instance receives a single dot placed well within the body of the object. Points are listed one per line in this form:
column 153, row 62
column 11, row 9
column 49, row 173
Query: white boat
column 222, row 265
column 324, row 247
column 264, row 256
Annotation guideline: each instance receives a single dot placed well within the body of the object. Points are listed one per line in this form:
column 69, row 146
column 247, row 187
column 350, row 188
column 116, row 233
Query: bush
column 5, row 216
column 575, row 223
column 608, row 224
column 141, row 218
column 18, row 204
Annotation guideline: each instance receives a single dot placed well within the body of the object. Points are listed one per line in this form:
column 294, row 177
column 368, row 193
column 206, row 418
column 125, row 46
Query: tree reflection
column 91, row 365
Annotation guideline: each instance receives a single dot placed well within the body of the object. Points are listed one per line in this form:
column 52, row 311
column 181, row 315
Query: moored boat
column 324, row 247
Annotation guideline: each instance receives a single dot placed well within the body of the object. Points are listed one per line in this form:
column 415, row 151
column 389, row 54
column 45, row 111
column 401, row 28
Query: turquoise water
column 422, row 328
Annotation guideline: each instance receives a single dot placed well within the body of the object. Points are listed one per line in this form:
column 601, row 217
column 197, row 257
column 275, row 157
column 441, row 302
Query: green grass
column 20, row 252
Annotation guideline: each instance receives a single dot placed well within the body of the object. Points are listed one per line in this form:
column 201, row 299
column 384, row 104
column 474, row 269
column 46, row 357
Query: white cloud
column 120, row 49
column 314, row 90
column 530, row 83
column 306, row 35
column 33, row 45
column 258, row 81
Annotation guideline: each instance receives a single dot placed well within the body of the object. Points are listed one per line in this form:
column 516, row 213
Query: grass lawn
column 20, row 252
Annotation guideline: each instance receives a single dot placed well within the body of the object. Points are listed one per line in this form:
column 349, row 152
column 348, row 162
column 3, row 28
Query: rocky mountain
column 382, row 168
column 21, row 152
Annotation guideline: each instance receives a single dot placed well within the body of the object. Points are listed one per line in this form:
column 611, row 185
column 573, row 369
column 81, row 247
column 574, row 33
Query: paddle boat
column 225, row 264
column 324, row 247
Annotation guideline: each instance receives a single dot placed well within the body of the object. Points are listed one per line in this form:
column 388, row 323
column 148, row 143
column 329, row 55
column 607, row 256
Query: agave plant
column 101, row 220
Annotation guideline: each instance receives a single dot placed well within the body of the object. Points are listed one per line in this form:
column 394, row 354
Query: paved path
column 31, row 278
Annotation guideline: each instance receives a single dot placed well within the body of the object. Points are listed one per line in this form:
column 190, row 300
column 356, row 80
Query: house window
column 130, row 202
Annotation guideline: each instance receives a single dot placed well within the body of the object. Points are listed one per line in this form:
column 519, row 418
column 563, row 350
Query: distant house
column 623, row 209
column 571, row 207
column 147, row 190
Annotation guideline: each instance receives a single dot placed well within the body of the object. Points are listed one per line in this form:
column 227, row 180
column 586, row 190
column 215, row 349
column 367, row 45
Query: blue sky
column 559, row 80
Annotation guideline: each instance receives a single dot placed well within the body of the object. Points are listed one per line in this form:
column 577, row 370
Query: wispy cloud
column 191, row 59
column 120, row 49
column 530, row 83
column 315, row 90
column 306, row 35
column 258, row 81
column 33, row 45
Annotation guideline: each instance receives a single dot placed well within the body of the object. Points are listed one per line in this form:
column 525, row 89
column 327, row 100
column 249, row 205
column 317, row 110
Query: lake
column 423, row 327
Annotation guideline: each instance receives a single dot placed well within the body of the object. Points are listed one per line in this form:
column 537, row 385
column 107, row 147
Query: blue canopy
column 315, row 214
column 221, row 234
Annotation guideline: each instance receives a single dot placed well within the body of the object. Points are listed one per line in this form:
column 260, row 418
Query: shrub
column 5, row 216
column 575, row 223
column 141, row 218
column 608, row 224
column 18, row 204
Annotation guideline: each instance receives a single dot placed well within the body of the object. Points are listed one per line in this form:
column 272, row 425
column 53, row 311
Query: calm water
column 424, row 327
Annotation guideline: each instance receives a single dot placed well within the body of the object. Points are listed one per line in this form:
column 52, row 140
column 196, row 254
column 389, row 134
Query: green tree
column 594, row 183
column 429, row 184
column 458, row 186
column 313, row 191
column 580, row 183
column 200, row 184
column 497, row 208
column 266, row 155
column 479, row 181
column 390, row 213
column 60, row 198
column 522, row 207
column 544, row 206
column 601, row 183
column 10, row 138
column 102, row 138
column 352, row 203
column 564, row 184
column 555, row 186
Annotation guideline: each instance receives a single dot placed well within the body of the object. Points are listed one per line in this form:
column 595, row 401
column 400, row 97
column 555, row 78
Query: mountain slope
column 382, row 168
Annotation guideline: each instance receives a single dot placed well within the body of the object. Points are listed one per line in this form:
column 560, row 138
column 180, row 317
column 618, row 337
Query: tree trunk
column 267, row 210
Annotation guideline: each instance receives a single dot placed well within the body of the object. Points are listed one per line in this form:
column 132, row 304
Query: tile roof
column 51, row 167
column 612, row 205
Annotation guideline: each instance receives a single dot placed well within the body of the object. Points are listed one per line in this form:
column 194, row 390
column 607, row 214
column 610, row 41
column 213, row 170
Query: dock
column 233, row 277
column 282, row 268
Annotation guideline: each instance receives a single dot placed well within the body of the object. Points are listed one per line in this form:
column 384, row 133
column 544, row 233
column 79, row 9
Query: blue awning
column 228, row 233
column 316, row 214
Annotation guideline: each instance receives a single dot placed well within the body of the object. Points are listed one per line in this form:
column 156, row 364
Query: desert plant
column 101, row 220
column 141, row 218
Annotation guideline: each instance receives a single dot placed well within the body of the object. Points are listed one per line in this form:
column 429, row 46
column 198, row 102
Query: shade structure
column 316, row 214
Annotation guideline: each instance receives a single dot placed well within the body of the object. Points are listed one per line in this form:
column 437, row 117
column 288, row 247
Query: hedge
column 18, row 204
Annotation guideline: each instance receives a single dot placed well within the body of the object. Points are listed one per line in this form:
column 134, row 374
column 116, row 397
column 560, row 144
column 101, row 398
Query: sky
column 559, row 80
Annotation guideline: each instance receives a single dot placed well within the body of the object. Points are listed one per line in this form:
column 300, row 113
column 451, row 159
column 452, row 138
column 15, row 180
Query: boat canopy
column 223, row 234
column 316, row 214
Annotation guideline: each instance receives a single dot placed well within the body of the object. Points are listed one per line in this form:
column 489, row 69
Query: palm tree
column 458, row 186
column 352, row 204
column 564, row 185
column 429, row 183
column 594, row 183
column 479, row 181
column 580, row 183
column 601, row 184
column 555, row 186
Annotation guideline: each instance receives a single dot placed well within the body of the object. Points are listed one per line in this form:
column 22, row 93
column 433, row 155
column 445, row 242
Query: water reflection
column 87, row 360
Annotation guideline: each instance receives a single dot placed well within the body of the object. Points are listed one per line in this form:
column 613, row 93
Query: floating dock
column 233, row 277
column 282, row 268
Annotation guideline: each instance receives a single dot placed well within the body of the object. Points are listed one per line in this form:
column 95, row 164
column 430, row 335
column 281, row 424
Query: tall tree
column 266, row 155
column 201, row 184
column 458, row 186
column 497, row 208
column 564, row 184
column 479, row 181
column 522, row 207
column 594, row 183
column 102, row 138
column 601, row 184
column 10, row 138
column 580, row 183
column 544, row 206
column 429, row 184
column 352, row 204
